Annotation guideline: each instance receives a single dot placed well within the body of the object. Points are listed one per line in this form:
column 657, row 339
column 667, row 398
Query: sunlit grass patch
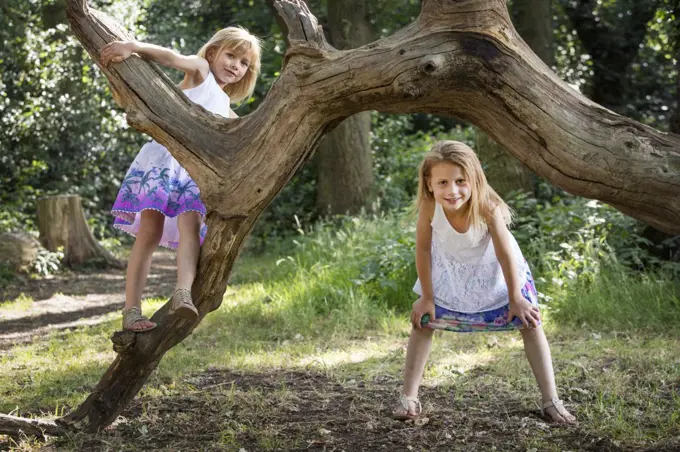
column 618, row 299
column 21, row 303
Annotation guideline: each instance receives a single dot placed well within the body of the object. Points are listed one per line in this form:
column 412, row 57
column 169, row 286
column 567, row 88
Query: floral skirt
column 493, row 320
column 156, row 181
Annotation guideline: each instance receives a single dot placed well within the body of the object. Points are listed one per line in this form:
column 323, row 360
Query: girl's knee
column 531, row 333
column 189, row 222
column 150, row 237
column 150, row 228
column 422, row 332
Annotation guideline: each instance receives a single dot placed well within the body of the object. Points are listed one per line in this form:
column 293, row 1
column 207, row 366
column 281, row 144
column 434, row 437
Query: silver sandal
column 132, row 316
column 404, row 401
column 559, row 407
column 182, row 306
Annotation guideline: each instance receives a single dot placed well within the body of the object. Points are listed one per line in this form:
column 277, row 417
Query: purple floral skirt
column 156, row 181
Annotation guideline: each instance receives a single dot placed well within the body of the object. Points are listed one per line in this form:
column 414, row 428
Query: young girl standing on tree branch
column 158, row 202
column 471, row 273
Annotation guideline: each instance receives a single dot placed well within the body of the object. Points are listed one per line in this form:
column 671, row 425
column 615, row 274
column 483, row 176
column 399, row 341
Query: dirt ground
column 74, row 299
column 235, row 411
column 283, row 410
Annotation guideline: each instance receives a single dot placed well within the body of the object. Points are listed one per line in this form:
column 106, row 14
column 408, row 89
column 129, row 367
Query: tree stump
column 61, row 222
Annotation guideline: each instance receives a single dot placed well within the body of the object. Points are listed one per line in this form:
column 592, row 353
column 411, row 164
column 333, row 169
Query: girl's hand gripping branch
column 117, row 51
column 194, row 66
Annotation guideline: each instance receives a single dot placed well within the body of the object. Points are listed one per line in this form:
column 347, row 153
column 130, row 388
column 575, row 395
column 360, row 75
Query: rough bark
column 532, row 19
column 460, row 58
column 62, row 223
column 344, row 159
column 17, row 426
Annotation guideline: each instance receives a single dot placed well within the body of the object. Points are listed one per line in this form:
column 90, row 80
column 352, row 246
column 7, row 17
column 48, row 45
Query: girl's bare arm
column 194, row 67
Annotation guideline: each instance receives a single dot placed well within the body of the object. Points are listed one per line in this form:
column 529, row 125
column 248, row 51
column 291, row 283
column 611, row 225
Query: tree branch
column 16, row 426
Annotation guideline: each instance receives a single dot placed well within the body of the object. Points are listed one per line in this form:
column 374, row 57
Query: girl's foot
column 182, row 305
column 409, row 408
column 555, row 411
column 133, row 320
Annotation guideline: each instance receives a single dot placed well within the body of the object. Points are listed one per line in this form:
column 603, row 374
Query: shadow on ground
column 299, row 411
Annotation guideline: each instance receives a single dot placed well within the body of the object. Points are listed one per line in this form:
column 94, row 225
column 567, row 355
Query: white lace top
column 466, row 275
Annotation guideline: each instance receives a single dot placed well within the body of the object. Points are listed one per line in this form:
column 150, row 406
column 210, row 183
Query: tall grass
column 347, row 273
column 620, row 299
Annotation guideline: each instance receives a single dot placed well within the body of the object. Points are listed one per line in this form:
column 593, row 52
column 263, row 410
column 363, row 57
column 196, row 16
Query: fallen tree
column 461, row 58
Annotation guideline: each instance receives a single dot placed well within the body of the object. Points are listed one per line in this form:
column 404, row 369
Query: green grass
column 21, row 303
column 618, row 299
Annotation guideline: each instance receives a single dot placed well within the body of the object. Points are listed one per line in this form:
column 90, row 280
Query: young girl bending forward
column 471, row 273
column 158, row 202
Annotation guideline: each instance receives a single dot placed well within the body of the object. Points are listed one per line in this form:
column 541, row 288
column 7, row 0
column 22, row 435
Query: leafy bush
column 47, row 262
column 571, row 237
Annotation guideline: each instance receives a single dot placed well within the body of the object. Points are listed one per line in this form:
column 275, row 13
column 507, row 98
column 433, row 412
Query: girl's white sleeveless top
column 210, row 96
column 466, row 275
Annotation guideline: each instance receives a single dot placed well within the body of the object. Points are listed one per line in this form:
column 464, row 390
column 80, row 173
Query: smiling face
column 228, row 66
column 449, row 186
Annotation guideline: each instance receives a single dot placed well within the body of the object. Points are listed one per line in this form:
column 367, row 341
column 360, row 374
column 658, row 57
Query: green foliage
column 14, row 220
column 7, row 275
column 47, row 262
column 616, row 299
column 61, row 132
column 649, row 81
column 571, row 237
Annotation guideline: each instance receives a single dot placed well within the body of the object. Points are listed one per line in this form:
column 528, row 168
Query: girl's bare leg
column 189, row 248
column 417, row 353
column 538, row 353
column 139, row 263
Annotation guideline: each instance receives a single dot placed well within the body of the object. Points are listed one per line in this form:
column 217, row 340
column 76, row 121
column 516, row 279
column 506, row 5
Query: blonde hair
column 483, row 198
column 239, row 40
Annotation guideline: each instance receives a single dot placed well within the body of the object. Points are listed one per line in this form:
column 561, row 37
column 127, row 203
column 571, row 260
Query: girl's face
column 449, row 186
column 228, row 66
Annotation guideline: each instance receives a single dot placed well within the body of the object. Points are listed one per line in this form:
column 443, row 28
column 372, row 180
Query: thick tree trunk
column 612, row 51
column 674, row 125
column 344, row 159
column 461, row 58
column 533, row 21
column 62, row 223
column 345, row 167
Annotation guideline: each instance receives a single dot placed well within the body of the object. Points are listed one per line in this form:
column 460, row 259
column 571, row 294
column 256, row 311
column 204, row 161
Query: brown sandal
column 182, row 306
column 132, row 316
